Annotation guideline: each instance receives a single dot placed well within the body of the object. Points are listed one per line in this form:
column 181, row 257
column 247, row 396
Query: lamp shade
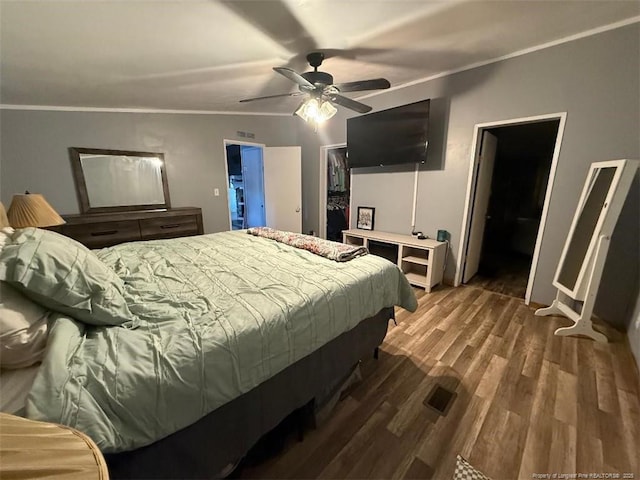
column 4, row 221
column 314, row 111
column 32, row 210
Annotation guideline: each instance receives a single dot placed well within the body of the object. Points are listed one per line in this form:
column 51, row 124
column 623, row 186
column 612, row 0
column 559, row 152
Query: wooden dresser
column 98, row 230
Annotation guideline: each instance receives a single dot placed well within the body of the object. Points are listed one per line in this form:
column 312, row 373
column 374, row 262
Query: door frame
column 471, row 187
column 226, row 142
column 322, row 195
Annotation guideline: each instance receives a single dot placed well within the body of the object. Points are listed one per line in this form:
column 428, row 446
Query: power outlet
column 216, row 192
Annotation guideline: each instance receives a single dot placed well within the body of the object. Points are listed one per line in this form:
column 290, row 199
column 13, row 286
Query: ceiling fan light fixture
column 322, row 93
column 316, row 111
column 327, row 110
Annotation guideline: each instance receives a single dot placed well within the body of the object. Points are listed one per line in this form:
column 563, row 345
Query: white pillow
column 23, row 329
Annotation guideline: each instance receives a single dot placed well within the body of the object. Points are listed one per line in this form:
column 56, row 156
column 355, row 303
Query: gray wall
column 634, row 332
column 594, row 79
column 34, row 152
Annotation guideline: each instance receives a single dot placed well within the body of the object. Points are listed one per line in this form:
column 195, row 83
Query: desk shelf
column 422, row 261
column 416, row 279
column 417, row 260
column 353, row 240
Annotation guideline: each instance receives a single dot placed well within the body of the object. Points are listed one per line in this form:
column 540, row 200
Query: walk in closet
column 338, row 189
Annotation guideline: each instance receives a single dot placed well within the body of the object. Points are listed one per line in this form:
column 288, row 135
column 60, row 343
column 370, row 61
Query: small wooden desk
column 422, row 261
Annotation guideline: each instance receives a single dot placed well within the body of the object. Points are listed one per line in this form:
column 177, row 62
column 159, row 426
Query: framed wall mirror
column 119, row 180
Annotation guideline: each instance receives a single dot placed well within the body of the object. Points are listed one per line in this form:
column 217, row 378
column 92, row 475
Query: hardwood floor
column 527, row 401
column 506, row 273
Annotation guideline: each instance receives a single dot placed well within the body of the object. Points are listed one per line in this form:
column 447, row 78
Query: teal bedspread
column 219, row 314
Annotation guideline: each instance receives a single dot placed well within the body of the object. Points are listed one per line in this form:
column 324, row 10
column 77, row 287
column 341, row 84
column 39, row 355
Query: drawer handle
column 101, row 234
column 173, row 225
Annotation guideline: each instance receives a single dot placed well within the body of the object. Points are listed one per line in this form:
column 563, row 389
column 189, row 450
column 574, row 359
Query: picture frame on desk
column 366, row 218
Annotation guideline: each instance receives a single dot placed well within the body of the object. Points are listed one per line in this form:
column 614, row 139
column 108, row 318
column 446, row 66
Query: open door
column 252, row 174
column 480, row 204
column 245, row 185
column 283, row 188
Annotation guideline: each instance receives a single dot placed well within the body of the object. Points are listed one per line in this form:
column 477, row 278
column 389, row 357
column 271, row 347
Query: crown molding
column 570, row 38
column 64, row 108
column 542, row 46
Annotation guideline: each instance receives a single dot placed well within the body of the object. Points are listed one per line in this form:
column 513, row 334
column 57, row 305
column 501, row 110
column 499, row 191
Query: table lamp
column 4, row 221
column 32, row 210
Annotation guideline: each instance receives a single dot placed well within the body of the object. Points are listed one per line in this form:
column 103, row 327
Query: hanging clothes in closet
column 338, row 190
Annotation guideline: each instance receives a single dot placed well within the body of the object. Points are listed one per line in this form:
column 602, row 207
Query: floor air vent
column 440, row 399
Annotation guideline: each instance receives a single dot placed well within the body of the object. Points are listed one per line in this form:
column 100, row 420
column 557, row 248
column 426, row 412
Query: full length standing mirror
column 585, row 251
column 586, row 226
column 119, row 180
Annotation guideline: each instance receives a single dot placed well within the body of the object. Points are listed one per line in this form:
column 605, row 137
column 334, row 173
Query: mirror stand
column 565, row 305
column 585, row 251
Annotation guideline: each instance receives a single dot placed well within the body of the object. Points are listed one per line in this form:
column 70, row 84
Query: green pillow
column 65, row 276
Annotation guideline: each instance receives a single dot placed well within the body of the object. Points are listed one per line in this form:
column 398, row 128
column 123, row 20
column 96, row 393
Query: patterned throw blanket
column 325, row 248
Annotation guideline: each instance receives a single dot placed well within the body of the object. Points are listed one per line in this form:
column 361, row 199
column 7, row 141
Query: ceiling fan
column 322, row 93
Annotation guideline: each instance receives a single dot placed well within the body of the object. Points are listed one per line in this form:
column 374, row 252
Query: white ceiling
column 207, row 55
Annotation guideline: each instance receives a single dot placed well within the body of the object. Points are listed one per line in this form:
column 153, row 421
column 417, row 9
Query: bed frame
column 223, row 437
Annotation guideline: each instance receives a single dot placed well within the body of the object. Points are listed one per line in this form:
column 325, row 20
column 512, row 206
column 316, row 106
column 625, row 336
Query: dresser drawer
column 169, row 227
column 103, row 234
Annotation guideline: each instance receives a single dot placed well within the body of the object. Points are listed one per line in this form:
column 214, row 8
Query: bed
column 183, row 352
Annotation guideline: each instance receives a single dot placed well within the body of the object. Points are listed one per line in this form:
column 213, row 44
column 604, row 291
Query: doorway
column 335, row 192
column 512, row 176
column 245, row 184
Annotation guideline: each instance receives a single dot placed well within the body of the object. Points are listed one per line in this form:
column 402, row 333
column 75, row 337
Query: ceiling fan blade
column 348, row 103
column 277, row 19
column 295, row 77
column 292, row 94
column 373, row 84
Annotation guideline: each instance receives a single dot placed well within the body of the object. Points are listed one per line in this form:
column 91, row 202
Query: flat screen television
column 389, row 137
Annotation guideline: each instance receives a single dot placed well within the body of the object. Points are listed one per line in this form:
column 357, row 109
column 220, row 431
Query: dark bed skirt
column 204, row 449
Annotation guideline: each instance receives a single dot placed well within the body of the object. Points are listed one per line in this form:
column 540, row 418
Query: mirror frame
column 604, row 225
column 81, row 185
